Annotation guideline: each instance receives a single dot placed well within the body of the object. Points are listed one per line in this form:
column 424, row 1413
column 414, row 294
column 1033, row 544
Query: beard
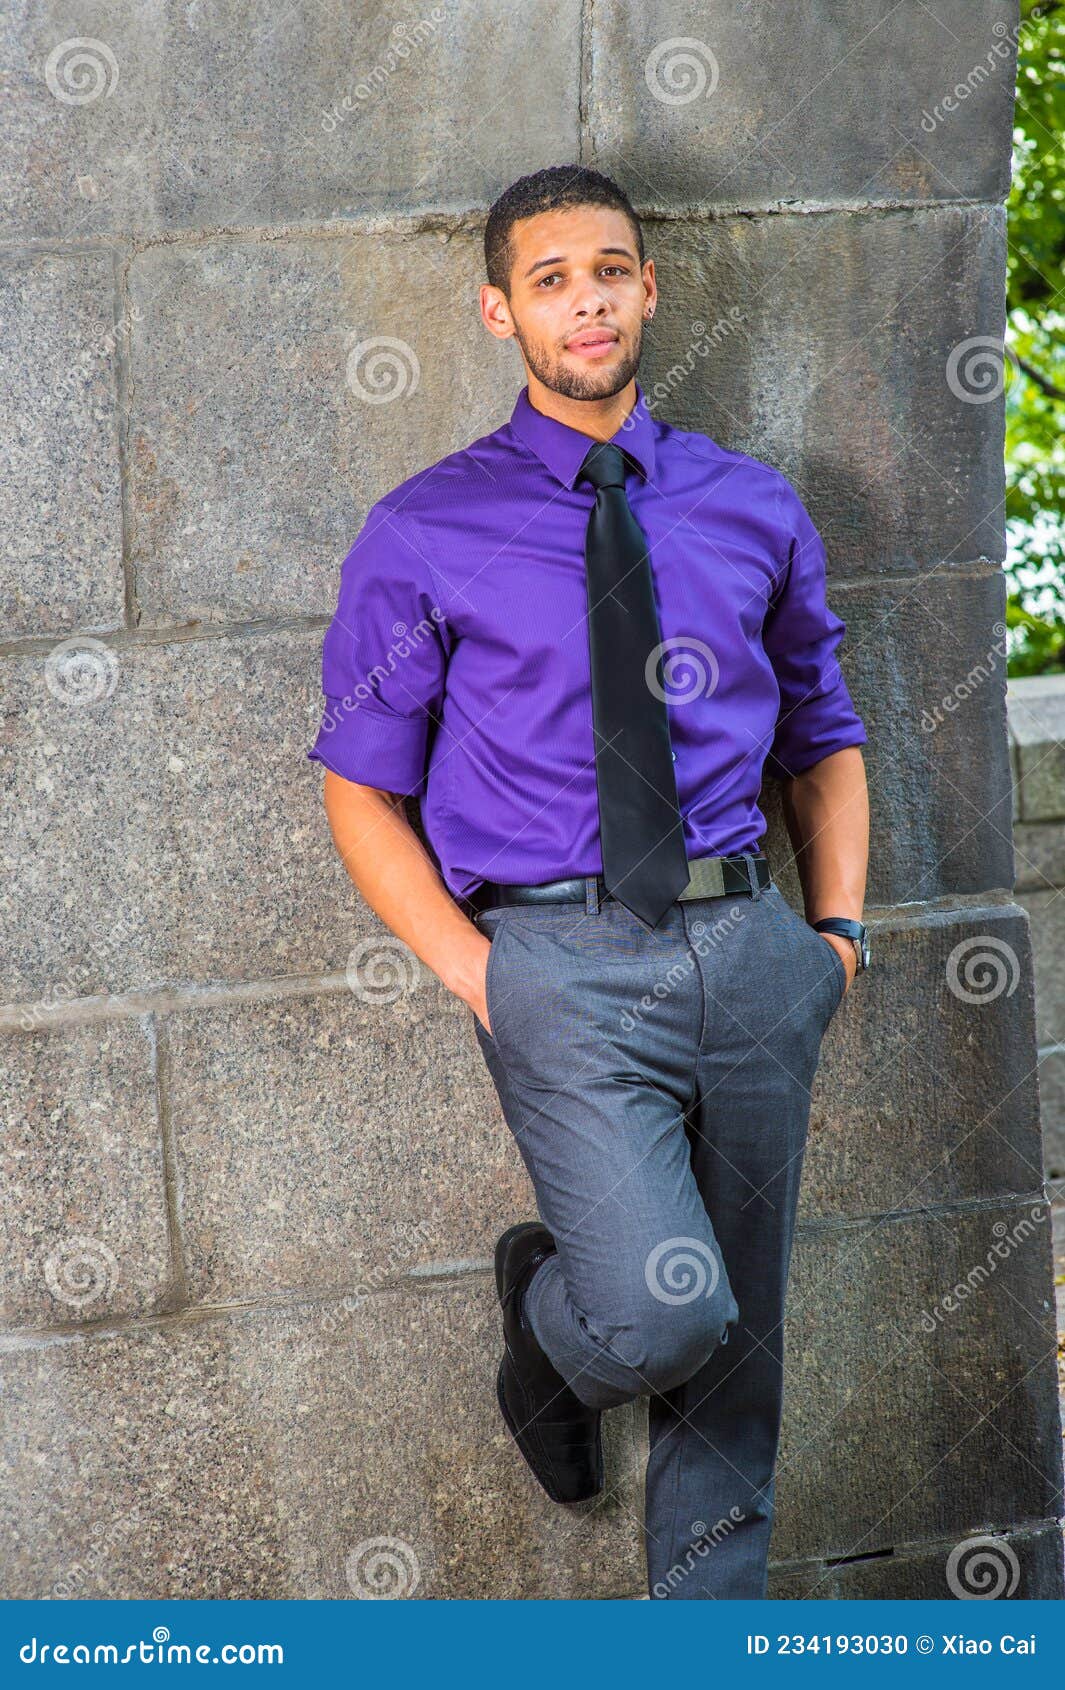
column 579, row 384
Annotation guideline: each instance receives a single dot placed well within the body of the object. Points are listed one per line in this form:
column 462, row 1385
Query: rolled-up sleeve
column 801, row 636
column 384, row 660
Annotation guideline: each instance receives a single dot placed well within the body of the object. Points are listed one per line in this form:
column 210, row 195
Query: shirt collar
column 564, row 449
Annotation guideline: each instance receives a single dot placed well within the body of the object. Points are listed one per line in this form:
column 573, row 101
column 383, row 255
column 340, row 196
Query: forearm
column 826, row 809
column 397, row 877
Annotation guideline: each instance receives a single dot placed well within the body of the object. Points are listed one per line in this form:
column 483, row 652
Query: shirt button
column 673, row 754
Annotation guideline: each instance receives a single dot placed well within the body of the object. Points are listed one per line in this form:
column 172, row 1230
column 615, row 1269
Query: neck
column 600, row 419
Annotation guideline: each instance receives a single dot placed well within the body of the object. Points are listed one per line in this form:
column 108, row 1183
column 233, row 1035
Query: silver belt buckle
column 706, row 879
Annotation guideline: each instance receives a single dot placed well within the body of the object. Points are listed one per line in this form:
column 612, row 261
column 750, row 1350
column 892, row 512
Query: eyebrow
column 604, row 251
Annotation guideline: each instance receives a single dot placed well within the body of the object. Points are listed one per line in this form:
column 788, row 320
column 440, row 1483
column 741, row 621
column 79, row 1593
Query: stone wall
column 253, row 1167
column 1036, row 715
column 1036, row 718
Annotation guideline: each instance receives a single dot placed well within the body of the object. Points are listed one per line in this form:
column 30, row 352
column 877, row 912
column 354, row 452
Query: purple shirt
column 456, row 667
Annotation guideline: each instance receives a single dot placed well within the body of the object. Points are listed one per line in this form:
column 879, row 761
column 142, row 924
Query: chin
column 602, row 382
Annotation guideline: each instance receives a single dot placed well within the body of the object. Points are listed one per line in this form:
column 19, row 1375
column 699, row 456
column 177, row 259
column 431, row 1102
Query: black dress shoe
column 559, row 1436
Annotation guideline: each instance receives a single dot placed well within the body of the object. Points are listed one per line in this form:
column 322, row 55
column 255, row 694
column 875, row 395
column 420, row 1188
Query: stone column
column 253, row 1166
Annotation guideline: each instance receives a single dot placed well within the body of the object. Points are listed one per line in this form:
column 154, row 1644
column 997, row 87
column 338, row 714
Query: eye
column 619, row 269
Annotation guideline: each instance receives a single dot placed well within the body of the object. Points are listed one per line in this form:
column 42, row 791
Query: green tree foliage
column 1035, row 391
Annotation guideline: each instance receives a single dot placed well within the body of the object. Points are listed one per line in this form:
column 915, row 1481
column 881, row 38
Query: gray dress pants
column 658, row 1087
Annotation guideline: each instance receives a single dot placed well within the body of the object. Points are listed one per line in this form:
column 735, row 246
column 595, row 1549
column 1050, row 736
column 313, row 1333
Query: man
column 580, row 641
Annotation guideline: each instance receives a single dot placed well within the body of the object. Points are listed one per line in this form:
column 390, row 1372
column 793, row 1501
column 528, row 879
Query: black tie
column 645, row 864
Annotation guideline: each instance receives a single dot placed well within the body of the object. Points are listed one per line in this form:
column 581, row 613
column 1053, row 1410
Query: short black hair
column 553, row 189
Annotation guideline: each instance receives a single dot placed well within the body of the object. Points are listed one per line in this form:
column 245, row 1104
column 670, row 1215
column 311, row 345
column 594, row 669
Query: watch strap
column 844, row 925
column 847, row 928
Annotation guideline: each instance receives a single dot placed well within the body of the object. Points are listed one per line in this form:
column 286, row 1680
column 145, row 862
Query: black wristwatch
column 847, row 929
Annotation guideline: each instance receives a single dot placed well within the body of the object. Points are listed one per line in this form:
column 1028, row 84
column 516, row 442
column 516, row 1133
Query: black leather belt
column 711, row 877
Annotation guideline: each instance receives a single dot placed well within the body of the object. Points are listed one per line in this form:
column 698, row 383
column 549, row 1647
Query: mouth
column 593, row 343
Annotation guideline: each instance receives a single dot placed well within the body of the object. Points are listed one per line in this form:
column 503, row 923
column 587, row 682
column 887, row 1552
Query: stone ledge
column 1035, row 708
column 1028, row 1559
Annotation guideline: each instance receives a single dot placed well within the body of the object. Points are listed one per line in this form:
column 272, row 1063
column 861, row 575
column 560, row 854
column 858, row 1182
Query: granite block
column 857, row 354
column 925, row 667
column 163, row 826
column 316, row 391
column 923, row 1392
column 299, row 1452
column 83, row 1207
column 61, row 569
column 926, row 1092
column 335, row 1142
column 168, row 118
column 738, row 105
